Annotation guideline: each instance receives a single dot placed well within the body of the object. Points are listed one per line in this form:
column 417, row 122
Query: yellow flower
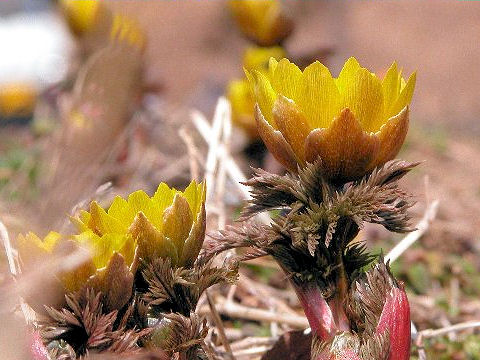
column 261, row 20
column 17, row 99
column 93, row 18
column 171, row 224
column 44, row 256
column 81, row 15
column 104, row 266
column 239, row 92
column 353, row 123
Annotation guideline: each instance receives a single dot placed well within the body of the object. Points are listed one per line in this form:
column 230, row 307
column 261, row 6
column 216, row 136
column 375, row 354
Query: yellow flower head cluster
column 353, row 123
column 170, row 224
column 239, row 92
column 132, row 232
column 263, row 21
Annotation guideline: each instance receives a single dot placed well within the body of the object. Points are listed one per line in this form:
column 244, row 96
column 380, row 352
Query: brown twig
column 219, row 323
column 243, row 312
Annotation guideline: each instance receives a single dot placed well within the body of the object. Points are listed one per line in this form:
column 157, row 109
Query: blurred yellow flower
column 17, row 99
column 93, row 18
column 353, row 123
column 171, row 224
column 102, row 265
column 241, row 99
column 34, row 252
column 81, row 15
column 239, row 92
column 261, row 20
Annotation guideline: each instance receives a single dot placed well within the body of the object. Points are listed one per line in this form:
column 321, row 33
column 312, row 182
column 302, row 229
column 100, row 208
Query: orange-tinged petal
column 275, row 142
column 404, row 98
column 292, row 124
column 195, row 239
column 287, row 80
column 320, row 100
column 391, row 137
column 151, row 243
column 364, row 97
column 177, row 222
column 344, row 148
column 115, row 282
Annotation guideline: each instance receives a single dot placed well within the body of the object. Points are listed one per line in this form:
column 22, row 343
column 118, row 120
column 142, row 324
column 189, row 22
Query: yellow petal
column 51, row 240
column 177, row 222
column 140, row 201
column 272, row 66
column 275, row 142
column 363, row 96
column 32, row 249
column 320, row 101
column 73, row 280
column 287, row 80
column 347, row 74
column 102, row 247
column 344, row 148
column 391, row 86
column 195, row 195
column 391, row 137
column 122, row 211
column 265, row 96
column 257, row 57
column 404, row 98
column 163, row 197
column 102, row 223
column 292, row 124
column 82, row 221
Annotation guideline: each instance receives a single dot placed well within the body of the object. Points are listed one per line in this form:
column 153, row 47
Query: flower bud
column 376, row 331
column 170, row 224
column 263, row 21
column 395, row 319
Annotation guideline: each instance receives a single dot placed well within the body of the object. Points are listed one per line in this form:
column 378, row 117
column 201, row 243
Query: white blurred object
column 35, row 49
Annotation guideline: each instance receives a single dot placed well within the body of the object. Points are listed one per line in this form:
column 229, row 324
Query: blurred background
column 81, row 108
